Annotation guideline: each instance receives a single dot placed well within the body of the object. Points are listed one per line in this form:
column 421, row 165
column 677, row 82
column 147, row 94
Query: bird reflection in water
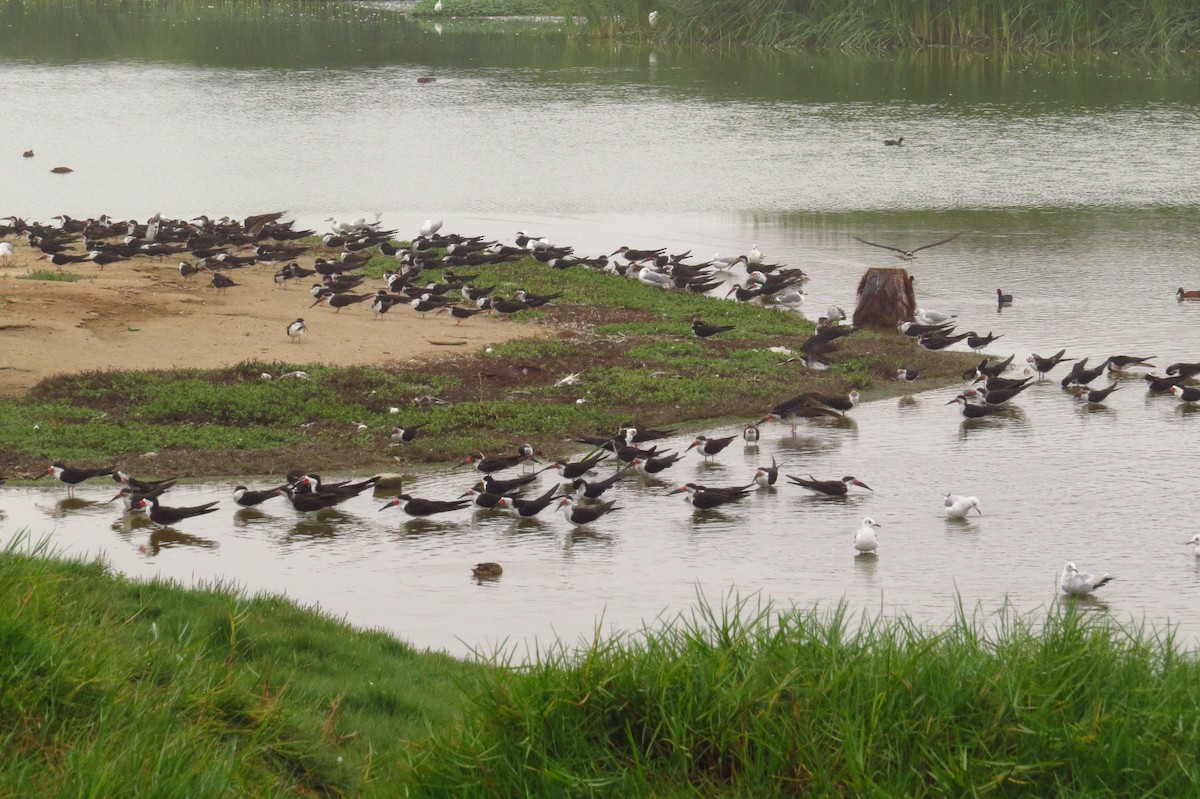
column 170, row 538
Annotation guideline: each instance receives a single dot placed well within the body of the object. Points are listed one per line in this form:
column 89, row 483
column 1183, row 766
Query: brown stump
column 885, row 298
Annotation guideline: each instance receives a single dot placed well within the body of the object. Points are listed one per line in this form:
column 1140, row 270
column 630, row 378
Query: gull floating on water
column 1079, row 583
column 958, row 506
column 865, row 539
column 1195, row 540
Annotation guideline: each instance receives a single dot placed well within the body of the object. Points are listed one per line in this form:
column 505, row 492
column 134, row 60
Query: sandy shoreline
column 141, row 314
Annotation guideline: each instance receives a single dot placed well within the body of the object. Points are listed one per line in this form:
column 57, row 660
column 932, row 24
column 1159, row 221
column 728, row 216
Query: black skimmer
column 221, row 282
column 403, row 435
column 989, row 369
column 248, row 499
column 977, row 343
column 766, row 476
column 186, row 270
column 142, row 486
column 1076, row 368
column 792, row 411
column 908, row 375
column 1077, row 583
column 1187, row 295
column 909, row 255
column 165, row 516
column 1117, row 363
column 997, row 396
column 1084, row 376
column 131, row 496
column 710, row 447
column 579, row 515
column 898, row 142
column 973, row 411
column 528, row 508
column 61, row 259
column 1002, row 298
column 73, row 476
column 632, row 255
column 460, row 313
column 583, row 489
column 932, row 341
column 506, row 307
column 309, row 502
column 1001, row 383
column 865, row 540
column 488, row 570
column 339, row 301
column 489, row 465
column 570, row 471
column 1161, row 385
column 702, row 498
column 103, row 259
column 1185, row 393
column 1096, row 396
column 830, row 488
column 534, row 300
column 513, row 484
column 346, row 488
column 703, row 330
column 482, row 499
column 1184, row 370
column 1043, row 365
column 653, row 465
column 296, row 331
column 750, row 436
column 915, row 330
column 415, row 506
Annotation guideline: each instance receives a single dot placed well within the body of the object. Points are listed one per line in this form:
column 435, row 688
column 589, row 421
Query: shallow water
column 1077, row 181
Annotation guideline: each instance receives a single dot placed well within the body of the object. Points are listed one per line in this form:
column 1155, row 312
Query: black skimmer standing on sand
column 248, row 499
column 710, row 447
column 296, row 331
column 221, row 282
column 339, row 301
column 579, row 515
column 165, row 516
column 73, row 476
column 829, row 488
column 750, row 436
column 460, row 313
column 415, row 506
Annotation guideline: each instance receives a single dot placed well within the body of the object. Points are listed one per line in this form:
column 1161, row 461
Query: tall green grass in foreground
column 110, row 687
column 750, row 702
column 1166, row 25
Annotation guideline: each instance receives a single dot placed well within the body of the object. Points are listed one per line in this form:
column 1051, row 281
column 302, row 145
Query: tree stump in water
column 885, row 298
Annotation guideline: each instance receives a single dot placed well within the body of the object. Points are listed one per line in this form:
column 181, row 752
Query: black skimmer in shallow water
column 793, row 411
column 829, row 488
column 481, row 498
column 1077, row 583
column 1183, row 371
column 570, row 471
column 585, row 490
column 416, row 506
column 654, row 465
column 1043, row 365
column 248, row 499
column 580, row 515
column 73, row 476
column 767, row 476
column 1117, row 363
column 972, row 411
column 997, row 396
column 496, row 464
column 702, row 498
column 1097, row 395
column 908, row 255
column 528, row 508
column 310, row 502
column 1161, row 385
column 710, row 447
column 865, row 540
column 165, row 516
column 1185, row 393
column 142, row 486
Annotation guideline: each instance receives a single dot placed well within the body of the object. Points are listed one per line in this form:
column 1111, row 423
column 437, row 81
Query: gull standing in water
column 865, row 539
column 957, row 506
column 1077, row 583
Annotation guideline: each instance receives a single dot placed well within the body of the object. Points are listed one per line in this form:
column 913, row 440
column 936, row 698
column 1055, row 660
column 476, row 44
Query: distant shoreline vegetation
column 1035, row 25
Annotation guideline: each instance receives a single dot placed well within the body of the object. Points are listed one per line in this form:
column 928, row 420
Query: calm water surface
column 1078, row 181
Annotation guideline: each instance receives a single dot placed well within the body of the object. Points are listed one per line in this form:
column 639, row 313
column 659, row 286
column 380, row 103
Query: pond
column 1075, row 179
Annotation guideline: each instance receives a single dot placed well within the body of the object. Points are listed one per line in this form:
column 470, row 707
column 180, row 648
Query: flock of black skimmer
column 630, row 452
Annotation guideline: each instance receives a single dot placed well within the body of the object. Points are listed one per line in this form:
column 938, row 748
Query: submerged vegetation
column 112, row 687
column 612, row 351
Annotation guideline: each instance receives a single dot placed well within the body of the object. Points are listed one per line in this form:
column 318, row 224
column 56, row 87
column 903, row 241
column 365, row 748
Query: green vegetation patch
column 746, row 701
column 53, row 275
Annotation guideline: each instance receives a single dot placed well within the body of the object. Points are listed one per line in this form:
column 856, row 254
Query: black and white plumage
column 909, row 255
column 297, row 330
